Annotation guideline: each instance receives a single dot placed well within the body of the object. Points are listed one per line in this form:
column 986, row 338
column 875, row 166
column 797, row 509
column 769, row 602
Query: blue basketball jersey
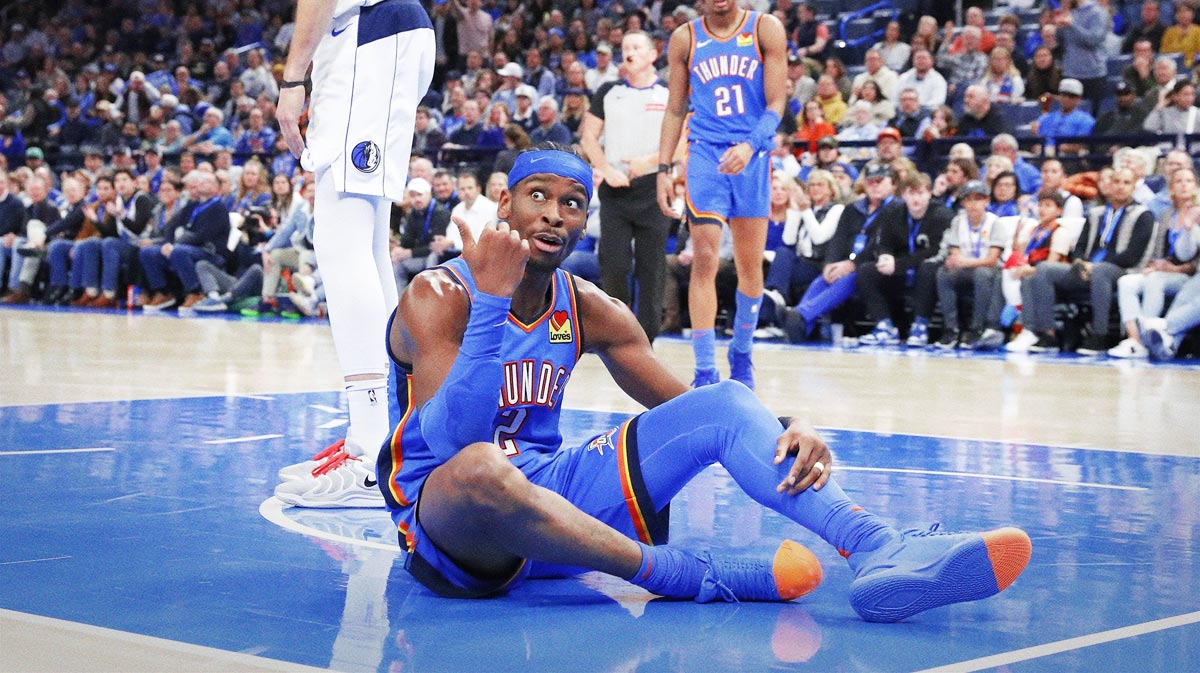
column 726, row 82
column 537, row 359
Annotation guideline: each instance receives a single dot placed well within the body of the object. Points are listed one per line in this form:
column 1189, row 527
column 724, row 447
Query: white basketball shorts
column 369, row 74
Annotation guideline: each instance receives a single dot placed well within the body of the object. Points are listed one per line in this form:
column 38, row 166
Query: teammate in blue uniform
column 484, row 495
column 729, row 80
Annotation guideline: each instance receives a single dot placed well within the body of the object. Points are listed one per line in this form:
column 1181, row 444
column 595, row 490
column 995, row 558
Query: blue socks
column 745, row 321
column 727, row 424
column 704, row 345
column 669, row 572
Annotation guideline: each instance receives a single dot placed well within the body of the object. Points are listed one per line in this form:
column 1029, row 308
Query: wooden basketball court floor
column 138, row 455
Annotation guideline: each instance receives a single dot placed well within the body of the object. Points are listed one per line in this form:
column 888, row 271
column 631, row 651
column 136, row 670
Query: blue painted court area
column 154, row 517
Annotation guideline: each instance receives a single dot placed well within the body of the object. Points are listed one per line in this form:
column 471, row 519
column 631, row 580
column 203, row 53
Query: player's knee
column 489, row 479
column 729, row 399
column 705, row 266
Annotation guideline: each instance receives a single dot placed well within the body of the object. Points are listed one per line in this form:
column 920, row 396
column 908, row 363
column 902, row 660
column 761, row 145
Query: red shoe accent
column 333, row 463
column 330, row 450
column 1009, row 550
column 844, row 553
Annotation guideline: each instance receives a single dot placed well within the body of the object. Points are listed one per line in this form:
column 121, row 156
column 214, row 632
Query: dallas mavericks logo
column 365, row 156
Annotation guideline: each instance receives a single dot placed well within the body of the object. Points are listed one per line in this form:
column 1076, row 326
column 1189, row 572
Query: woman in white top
column 810, row 219
column 882, row 109
column 1002, row 80
column 895, row 52
column 1177, row 113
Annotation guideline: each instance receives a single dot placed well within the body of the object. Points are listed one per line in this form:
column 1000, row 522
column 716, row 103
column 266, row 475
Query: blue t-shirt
column 1055, row 124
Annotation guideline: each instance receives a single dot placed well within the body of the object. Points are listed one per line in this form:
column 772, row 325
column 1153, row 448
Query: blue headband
column 554, row 162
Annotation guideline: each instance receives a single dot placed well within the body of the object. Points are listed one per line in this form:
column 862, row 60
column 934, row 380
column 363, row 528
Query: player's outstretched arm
column 453, row 340
column 613, row 333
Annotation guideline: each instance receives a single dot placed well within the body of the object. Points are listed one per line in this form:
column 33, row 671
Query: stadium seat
column 1117, row 63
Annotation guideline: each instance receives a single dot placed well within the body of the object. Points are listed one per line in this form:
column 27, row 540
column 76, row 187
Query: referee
column 626, row 118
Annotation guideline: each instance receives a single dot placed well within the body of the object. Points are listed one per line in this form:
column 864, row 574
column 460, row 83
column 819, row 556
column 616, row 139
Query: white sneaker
column 1022, row 343
column 343, row 481
column 307, row 303
column 306, row 469
column 1129, row 349
column 769, row 333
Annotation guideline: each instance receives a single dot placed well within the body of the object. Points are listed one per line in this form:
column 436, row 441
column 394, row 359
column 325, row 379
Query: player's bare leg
column 482, row 511
column 702, row 300
column 749, row 240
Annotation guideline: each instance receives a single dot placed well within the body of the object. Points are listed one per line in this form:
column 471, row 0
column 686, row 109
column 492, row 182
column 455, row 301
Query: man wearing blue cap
column 484, row 495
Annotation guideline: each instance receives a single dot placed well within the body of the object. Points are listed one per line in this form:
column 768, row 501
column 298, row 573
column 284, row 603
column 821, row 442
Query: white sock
column 368, row 416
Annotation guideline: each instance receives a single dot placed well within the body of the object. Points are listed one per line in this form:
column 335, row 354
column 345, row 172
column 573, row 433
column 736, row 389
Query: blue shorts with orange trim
column 602, row 477
column 715, row 198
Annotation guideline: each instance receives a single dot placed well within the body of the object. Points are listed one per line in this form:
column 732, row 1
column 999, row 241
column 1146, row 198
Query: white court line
column 33, row 560
column 265, row 398
column 1067, row 645
column 980, row 475
column 45, row 451
column 238, row 440
column 335, row 423
column 987, row 440
column 272, row 508
column 149, row 647
column 322, row 407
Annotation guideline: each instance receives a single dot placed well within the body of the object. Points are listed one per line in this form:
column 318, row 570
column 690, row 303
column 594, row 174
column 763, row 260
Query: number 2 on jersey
column 512, row 419
column 723, row 94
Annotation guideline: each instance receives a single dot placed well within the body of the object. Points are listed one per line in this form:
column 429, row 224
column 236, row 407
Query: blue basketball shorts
column 602, row 477
column 715, row 198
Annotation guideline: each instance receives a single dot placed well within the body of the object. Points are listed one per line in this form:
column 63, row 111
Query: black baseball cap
column 876, row 171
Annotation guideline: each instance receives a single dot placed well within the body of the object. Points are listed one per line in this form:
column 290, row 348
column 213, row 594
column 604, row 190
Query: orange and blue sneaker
column 792, row 572
column 924, row 569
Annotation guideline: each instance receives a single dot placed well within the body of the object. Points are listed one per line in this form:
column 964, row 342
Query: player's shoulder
column 600, row 311
column 434, row 287
column 681, row 37
column 769, row 26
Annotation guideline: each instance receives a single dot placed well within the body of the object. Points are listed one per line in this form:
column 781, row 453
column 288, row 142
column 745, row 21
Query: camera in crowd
column 256, row 222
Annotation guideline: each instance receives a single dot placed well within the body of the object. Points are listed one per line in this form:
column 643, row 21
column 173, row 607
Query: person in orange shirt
column 987, row 39
column 1184, row 36
column 813, row 126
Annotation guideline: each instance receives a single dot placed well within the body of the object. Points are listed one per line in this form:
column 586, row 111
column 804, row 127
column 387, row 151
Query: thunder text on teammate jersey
column 727, row 96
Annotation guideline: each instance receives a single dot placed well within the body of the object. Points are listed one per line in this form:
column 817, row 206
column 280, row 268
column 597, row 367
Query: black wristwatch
column 288, row 85
column 665, row 168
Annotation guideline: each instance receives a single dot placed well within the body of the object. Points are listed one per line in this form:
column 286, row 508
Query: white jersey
column 369, row 73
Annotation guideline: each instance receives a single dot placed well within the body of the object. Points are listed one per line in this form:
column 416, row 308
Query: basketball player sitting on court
column 485, row 497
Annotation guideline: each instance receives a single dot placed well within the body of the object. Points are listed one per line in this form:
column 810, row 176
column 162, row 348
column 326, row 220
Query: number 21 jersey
column 726, row 83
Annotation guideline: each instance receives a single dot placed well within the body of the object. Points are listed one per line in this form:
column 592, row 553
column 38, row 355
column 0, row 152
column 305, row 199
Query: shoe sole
column 356, row 501
column 304, row 470
column 974, row 569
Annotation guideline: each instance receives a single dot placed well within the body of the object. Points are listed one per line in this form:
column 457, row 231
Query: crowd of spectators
column 139, row 150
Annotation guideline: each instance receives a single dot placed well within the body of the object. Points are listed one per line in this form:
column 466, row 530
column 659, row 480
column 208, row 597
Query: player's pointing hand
column 497, row 259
